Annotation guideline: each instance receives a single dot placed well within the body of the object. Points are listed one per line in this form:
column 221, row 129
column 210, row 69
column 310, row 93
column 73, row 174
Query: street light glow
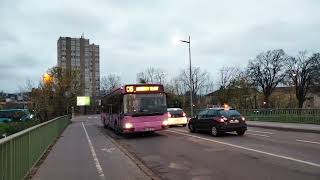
column 47, row 78
column 178, row 39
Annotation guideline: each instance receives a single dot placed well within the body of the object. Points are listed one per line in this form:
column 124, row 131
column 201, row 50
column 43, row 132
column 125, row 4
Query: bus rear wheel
column 104, row 124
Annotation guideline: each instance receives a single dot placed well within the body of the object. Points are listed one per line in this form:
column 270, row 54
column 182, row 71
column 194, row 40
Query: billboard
column 83, row 100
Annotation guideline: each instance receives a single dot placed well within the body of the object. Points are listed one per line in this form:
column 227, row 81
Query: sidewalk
column 83, row 152
column 286, row 126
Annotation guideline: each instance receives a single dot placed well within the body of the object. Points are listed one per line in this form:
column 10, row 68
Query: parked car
column 218, row 120
column 10, row 115
column 176, row 116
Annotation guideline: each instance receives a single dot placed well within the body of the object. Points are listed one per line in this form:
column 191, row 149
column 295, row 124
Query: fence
column 21, row 151
column 309, row 116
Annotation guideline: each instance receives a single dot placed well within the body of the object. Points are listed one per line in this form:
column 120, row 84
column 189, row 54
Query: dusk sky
column 134, row 35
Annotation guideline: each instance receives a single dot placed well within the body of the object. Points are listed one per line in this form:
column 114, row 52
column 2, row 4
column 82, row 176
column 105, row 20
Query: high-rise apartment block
column 79, row 54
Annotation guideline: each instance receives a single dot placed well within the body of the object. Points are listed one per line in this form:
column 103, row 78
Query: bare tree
column 228, row 75
column 110, row 82
column 199, row 79
column 267, row 71
column 315, row 58
column 302, row 72
column 152, row 75
column 27, row 87
column 142, row 78
column 175, row 86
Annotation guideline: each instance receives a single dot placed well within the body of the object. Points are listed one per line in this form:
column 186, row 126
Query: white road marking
column 313, row 142
column 246, row 133
column 263, row 132
column 109, row 150
column 250, row 149
column 94, row 155
column 257, row 134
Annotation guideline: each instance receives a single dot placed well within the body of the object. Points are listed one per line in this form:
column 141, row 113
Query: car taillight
column 220, row 120
column 184, row 114
column 165, row 123
column 169, row 115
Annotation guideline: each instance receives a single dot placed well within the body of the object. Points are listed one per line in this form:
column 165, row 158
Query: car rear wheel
column 192, row 128
column 214, row 131
column 241, row 132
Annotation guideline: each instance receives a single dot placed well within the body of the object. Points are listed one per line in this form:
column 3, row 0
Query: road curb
column 285, row 128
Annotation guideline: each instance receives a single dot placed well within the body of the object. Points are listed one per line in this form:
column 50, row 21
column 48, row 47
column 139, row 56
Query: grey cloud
column 7, row 38
column 134, row 35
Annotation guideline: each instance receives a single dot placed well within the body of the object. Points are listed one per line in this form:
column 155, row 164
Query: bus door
column 109, row 114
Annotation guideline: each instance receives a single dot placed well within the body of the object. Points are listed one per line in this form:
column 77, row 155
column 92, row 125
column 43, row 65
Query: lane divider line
column 263, row 132
column 258, row 134
column 250, row 149
column 246, row 133
column 94, row 155
column 313, row 142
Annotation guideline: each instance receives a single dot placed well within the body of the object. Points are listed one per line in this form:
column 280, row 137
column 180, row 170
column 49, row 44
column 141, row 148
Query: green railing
column 308, row 116
column 21, row 151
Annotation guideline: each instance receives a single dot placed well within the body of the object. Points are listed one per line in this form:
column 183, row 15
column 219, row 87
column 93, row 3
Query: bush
column 7, row 129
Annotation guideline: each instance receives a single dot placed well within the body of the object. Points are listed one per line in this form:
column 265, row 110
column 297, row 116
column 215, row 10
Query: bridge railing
column 20, row 152
column 308, row 116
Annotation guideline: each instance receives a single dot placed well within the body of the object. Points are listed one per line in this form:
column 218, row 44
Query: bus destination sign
column 140, row 89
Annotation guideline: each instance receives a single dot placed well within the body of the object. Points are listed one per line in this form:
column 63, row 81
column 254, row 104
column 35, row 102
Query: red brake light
column 169, row 115
column 184, row 114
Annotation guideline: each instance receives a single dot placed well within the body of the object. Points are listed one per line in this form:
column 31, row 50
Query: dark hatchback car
column 217, row 121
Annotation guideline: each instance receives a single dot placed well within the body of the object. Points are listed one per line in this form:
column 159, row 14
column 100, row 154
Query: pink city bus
column 135, row 108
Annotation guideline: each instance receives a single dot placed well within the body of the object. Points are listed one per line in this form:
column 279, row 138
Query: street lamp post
column 190, row 71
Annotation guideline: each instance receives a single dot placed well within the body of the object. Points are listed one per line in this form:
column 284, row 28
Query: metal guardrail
column 21, row 151
column 307, row 116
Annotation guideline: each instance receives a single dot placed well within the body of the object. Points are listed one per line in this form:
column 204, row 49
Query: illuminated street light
column 175, row 40
column 47, row 78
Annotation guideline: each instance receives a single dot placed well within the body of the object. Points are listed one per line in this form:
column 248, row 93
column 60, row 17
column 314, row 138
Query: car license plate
column 148, row 129
column 234, row 121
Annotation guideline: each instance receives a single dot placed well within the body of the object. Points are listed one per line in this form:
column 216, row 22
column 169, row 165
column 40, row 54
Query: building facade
column 79, row 54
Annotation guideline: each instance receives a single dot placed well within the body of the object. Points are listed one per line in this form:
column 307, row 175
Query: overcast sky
column 134, row 35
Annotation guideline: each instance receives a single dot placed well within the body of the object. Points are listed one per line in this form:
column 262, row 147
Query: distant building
column 79, row 54
column 15, row 100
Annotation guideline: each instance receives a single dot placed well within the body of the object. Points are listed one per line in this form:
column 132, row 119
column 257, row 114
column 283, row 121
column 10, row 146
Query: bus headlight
column 128, row 125
column 165, row 123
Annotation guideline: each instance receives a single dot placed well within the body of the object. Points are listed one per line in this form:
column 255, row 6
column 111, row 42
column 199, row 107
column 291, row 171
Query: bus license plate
column 149, row 129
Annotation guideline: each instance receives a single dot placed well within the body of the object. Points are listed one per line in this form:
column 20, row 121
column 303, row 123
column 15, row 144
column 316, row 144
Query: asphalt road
column 259, row 154
column 88, row 151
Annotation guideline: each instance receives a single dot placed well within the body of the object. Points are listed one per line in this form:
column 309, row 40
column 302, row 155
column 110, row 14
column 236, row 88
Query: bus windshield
column 144, row 104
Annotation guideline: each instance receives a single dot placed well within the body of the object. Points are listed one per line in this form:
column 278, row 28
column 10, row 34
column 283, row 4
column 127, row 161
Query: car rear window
column 229, row 113
column 179, row 111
